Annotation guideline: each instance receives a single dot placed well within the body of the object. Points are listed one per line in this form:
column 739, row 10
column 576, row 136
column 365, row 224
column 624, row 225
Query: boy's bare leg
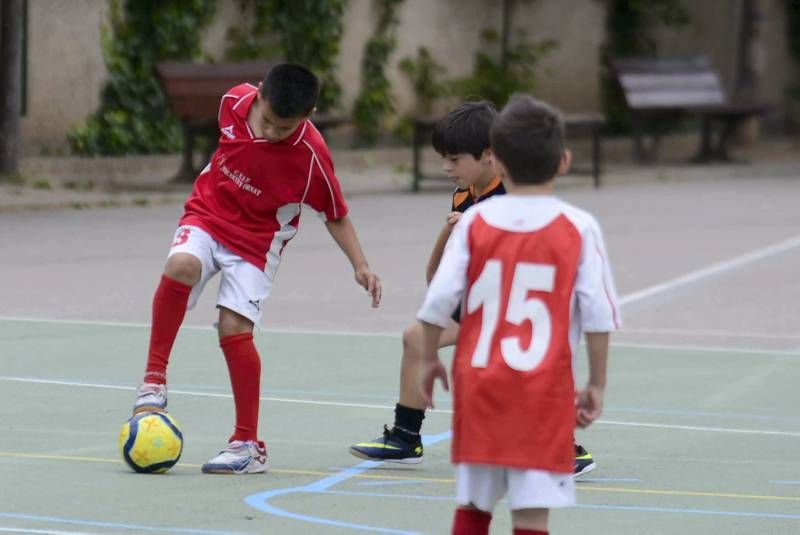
column 184, row 268
column 530, row 519
column 411, row 362
column 403, row 443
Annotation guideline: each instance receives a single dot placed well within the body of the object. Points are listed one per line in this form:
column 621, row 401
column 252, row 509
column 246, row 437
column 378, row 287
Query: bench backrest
column 194, row 90
column 665, row 84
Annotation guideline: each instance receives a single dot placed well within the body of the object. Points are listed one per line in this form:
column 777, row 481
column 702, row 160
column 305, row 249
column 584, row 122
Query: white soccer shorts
column 243, row 287
column 484, row 485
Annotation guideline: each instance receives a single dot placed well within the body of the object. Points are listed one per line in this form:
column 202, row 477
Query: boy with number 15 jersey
column 531, row 274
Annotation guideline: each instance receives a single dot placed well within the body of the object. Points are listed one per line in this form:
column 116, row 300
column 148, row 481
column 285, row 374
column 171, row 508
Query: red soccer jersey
column 250, row 195
column 532, row 272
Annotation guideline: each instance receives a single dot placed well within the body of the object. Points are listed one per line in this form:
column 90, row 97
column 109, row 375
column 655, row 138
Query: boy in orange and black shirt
column 462, row 140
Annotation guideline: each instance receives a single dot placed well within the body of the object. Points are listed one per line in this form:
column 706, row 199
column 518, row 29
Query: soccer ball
column 151, row 442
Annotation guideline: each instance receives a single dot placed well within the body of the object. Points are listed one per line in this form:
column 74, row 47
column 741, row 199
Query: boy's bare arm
column 432, row 367
column 344, row 234
column 590, row 400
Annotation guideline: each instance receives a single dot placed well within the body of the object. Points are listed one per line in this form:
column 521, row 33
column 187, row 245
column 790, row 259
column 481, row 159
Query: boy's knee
column 232, row 323
column 183, row 268
column 412, row 335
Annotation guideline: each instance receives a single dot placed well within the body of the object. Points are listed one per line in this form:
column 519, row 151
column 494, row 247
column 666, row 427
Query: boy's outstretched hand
column 432, row 370
column 370, row 282
column 589, row 404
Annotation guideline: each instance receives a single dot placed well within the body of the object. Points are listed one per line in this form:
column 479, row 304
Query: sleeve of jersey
column 594, row 287
column 225, row 105
column 447, row 287
column 324, row 191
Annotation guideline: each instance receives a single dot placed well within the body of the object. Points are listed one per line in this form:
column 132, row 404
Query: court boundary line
column 388, row 407
column 712, row 349
column 712, row 269
column 115, row 525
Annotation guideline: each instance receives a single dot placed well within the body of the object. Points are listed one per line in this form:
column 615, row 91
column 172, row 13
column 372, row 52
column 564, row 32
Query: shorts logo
column 228, row 131
column 181, row 237
column 256, row 303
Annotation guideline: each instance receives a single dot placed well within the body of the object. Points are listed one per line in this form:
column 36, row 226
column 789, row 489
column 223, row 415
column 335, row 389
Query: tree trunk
column 10, row 84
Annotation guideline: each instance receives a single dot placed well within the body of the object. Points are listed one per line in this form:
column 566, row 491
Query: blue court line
column 609, row 479
column 779, row 482
column 670, row 412
column 260, row 500
column 94, row 523
column 689, row 511
column 391, row 482
column 579, row 506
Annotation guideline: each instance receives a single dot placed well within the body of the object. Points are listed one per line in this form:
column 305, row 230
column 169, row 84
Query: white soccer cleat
column 150, row 397
column 240, row 457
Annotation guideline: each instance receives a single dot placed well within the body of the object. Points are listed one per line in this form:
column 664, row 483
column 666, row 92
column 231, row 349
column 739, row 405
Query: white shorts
column 483, row 486
column 243, row 287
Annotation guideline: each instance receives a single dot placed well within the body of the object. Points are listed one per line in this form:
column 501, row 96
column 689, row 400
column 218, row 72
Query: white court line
column 729, row 334
column 388, row 407
column 713, row 269
column 713, row 349
column 42, row 531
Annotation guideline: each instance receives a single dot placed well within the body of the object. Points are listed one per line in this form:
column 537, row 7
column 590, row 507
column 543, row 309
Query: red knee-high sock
column 471, row 522
column 244, row 367
column 520, row 531
column 169, row 308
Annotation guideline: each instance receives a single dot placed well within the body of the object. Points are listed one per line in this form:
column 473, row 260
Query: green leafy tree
column 291, row 30
column 375, row 101
column 134, row 117
column 492, row 80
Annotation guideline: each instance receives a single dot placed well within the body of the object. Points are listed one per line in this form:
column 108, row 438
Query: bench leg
column 704, row 151
column 596, row 156
column 186, row 173
column 725, row 136
column 416, row 170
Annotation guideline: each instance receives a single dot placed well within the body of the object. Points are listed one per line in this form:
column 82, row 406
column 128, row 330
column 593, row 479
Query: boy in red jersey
column 245, row 207
column 531, row 273
column 461, row 138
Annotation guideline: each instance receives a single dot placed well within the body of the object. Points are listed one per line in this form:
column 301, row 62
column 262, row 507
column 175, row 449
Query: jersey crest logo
column 228, row 131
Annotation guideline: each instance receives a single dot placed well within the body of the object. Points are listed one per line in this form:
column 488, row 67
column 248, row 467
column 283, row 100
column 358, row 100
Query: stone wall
column 66, row 70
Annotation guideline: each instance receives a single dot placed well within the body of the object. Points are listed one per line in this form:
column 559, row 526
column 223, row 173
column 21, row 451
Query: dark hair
column 528, row 138
column 291, row 90
column 465, row 129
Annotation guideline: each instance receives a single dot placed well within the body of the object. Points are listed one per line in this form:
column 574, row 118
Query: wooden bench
column 662, row 92
column 575, row 124
column 194, row 90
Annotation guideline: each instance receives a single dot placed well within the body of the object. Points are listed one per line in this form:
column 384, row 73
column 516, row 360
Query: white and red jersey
column 531, row 273
column 250, row 195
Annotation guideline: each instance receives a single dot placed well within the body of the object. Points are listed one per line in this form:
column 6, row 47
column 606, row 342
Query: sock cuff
column 175, row 285
column 469, row 511
column 235, row 338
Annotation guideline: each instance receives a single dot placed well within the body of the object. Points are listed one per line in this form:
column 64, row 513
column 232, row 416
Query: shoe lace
column 149, row 388
column 387, row 433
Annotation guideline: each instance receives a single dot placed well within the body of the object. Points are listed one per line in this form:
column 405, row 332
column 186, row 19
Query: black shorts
column 457, row 315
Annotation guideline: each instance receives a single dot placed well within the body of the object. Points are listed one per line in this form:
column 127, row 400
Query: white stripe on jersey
column 284, row 215
column 221, row 102
column 241, row 99
column 303, row 131
column 327, row 181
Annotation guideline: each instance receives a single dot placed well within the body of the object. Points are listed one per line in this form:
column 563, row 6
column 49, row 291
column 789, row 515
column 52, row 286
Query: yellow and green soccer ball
column 151, row 442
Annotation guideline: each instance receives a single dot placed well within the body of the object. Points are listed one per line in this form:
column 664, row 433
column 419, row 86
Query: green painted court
column 698, row 436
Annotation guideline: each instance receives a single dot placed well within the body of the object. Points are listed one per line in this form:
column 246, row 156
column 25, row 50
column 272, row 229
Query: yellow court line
column 625, row 490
